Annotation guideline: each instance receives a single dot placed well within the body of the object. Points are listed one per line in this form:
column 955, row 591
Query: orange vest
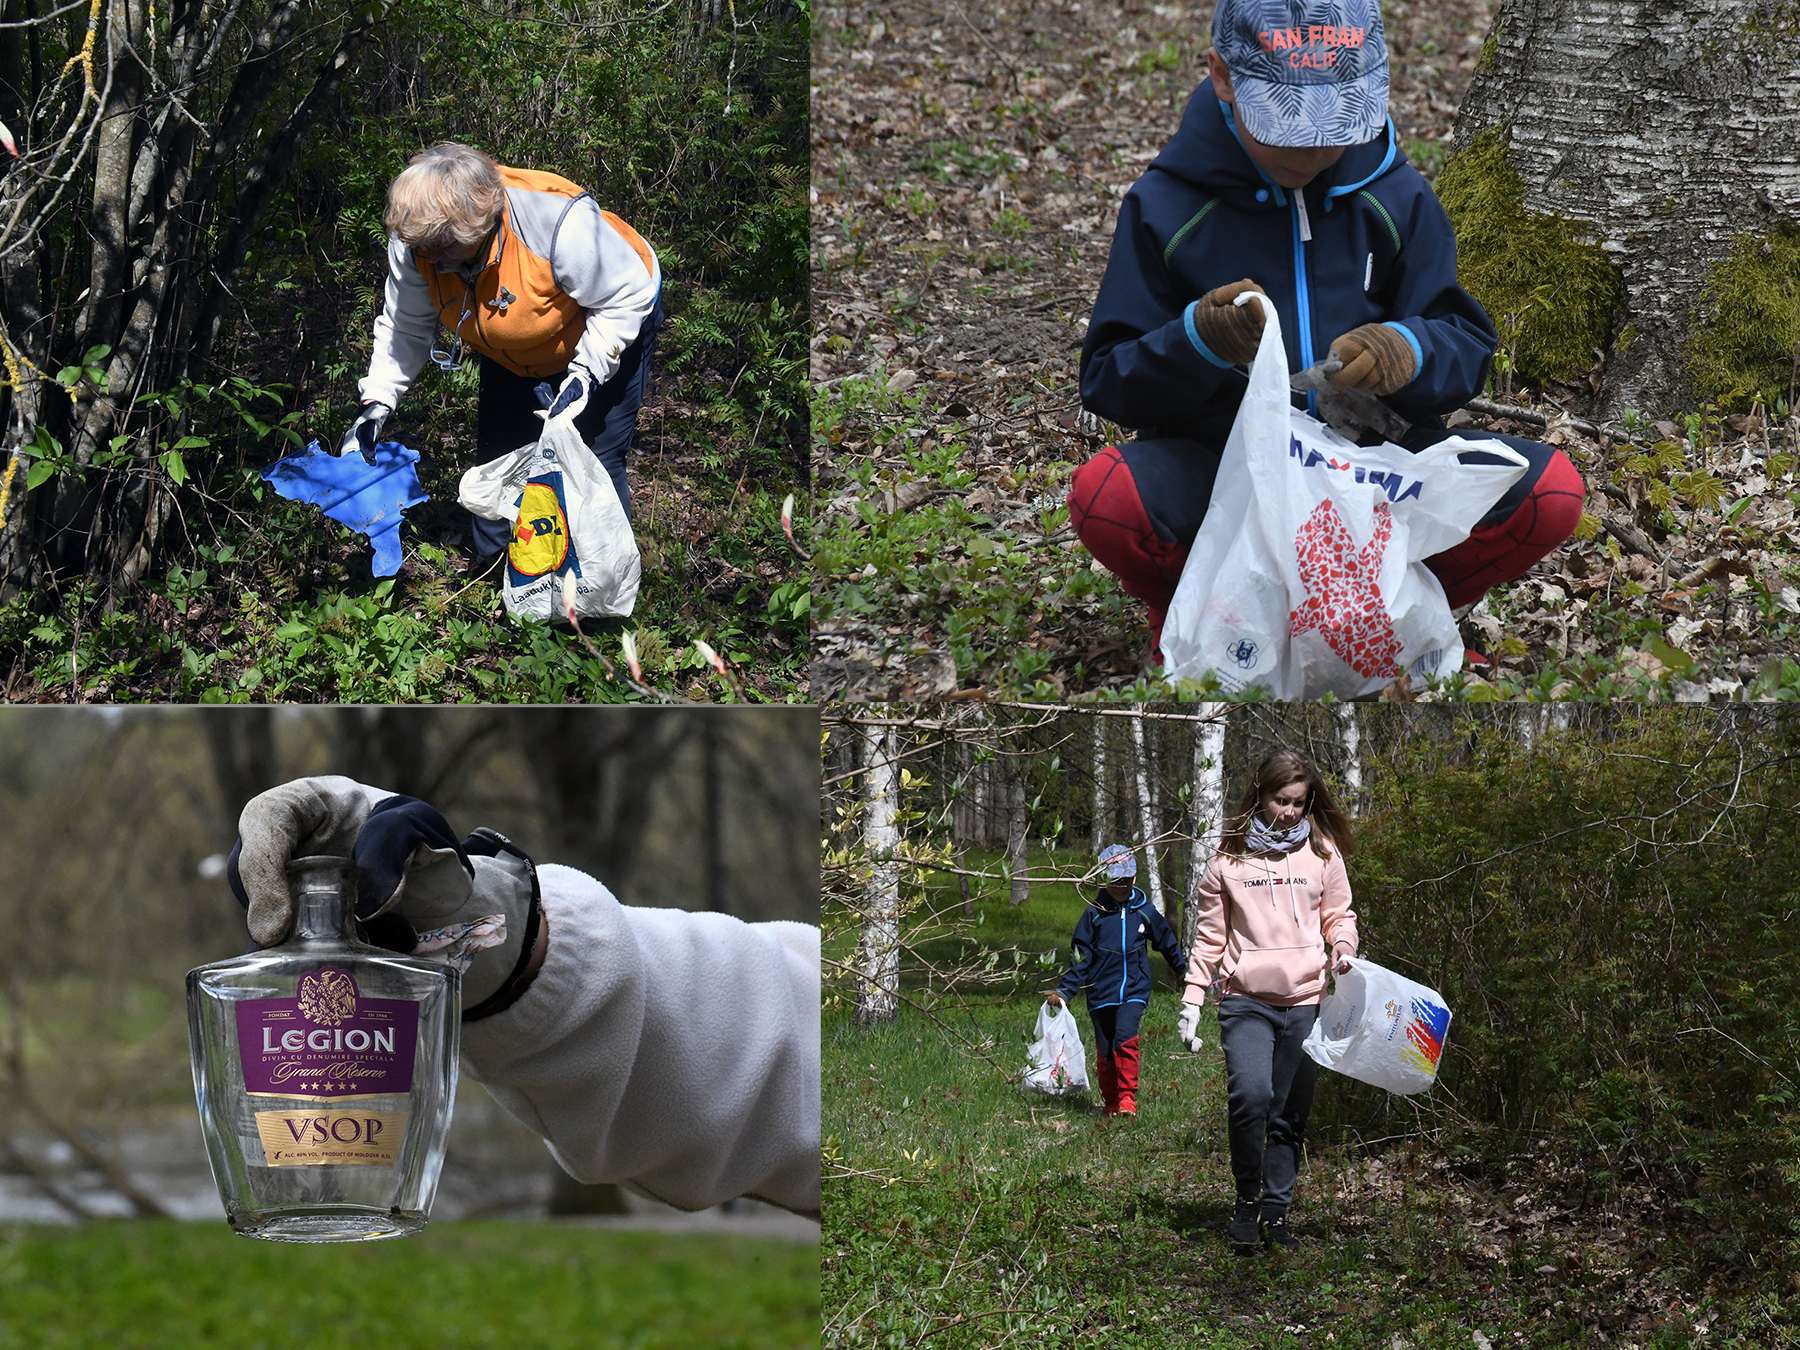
column 534, row 329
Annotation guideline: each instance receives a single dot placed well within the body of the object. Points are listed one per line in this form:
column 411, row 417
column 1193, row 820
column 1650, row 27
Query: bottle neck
column 323, row 891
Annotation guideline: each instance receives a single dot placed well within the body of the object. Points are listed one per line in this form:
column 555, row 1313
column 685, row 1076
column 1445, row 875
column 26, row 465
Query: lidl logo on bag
column 1398, row 486
column 540, row 540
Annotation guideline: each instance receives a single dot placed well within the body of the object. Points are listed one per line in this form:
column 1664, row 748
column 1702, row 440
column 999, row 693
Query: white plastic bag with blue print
column 566, row 518
column 1058, row 1060
column 1306, row 577
column 1379, row 1027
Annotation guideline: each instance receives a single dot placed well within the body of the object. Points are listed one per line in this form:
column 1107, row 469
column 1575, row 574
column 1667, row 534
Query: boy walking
column 1286, row 177
column 1112, row 962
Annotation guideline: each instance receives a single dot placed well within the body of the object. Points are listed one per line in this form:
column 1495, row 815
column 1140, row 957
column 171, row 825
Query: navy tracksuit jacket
column 1203, row 215
column 1112, row 956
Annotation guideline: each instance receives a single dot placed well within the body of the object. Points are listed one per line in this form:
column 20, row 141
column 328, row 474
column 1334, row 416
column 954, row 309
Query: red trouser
column 1116, row 1050
column 1114, row 520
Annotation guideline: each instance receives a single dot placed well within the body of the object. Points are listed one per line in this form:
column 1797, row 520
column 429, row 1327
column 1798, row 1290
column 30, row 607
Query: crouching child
column 1286, row 177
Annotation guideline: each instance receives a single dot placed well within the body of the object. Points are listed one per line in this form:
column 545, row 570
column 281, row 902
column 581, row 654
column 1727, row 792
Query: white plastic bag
column 1382, row 1028
column 566, row 518
column 1058, row 1061
column 1306, row 576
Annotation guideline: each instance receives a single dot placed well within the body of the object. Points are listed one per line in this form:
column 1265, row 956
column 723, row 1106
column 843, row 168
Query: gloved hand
column 418, row 889
column 567, row 400
column 1231, row 331
column 1377, row 359
column 1054, row 999
column 365, row 431
column 1188, row 1028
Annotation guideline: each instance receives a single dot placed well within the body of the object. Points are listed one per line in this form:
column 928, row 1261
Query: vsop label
column 328, row 1045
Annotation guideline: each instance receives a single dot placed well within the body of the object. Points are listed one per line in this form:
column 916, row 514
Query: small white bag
column 566, row 518
column 1306, row 576
column 1382, row 1028
column 1058, row 1061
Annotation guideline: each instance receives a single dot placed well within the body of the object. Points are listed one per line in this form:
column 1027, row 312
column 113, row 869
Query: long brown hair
column 1330, row 826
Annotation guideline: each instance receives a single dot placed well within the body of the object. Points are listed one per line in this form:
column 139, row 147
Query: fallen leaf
column 909, row 495
column 902, row 380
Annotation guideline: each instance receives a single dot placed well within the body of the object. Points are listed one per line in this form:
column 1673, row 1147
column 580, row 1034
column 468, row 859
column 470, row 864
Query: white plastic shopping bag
column 1382, row 1028
column 1058, row 1062
column 1306, row 576
column 566, row 518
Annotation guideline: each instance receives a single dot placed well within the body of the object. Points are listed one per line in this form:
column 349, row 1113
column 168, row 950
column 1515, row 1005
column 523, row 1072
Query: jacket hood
column 1206, row 152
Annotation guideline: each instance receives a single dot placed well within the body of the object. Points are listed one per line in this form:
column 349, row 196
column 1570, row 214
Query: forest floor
column 963, row 1211
column 967, row 169
column 280, row 603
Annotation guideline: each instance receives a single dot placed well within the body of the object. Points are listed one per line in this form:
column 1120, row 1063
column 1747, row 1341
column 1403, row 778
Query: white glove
column 570, row 397
column 1188, row 1028
column 409, row 866
column 365, row 431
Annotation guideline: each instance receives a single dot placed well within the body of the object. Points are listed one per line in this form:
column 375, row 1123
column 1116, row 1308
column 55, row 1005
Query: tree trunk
column 1018, row 821
column 878, row 991
column 1353, row 764
column 1209, row 810
column 1102, row 797
column 1146, row 811
column 1653, row 143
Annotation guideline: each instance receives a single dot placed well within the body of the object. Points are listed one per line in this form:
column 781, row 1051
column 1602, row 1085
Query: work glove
column 1232, row 332
column 365, row 431
column 1054, row 999
column 1188, row 1028
column 419, row 891
column 1377, row 359
column 569, row 398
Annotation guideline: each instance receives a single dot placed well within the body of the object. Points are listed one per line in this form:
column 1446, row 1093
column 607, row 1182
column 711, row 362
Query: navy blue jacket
column 1204, row 215
column 1112, row 957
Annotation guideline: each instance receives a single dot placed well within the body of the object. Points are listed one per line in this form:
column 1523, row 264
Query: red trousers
column 1141, row 532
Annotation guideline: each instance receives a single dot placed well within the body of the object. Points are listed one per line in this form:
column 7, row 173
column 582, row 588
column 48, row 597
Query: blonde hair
column 448, row 194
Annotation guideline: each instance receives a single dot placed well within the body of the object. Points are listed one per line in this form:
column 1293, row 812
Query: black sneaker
column 1243, row 1231
column 1275, row 1226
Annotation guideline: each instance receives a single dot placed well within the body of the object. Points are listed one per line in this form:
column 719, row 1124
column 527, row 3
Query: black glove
column 571, row 398
column 365, row 431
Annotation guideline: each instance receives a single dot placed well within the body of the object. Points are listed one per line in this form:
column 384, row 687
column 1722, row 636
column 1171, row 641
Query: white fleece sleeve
column 603, row 274
column 403, row 331
column 672, row 1051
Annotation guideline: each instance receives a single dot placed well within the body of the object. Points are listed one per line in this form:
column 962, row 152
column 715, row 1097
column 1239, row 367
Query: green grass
column 960, row 1211
column 146, row 1285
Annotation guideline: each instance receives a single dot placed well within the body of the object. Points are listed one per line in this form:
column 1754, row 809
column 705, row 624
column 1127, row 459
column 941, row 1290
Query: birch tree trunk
column 878, row 991
column 1102, row 796
column 1208, row 809
column 1017, row 826
column 1664, row 133
column 1146, row 809
column 1353, row 765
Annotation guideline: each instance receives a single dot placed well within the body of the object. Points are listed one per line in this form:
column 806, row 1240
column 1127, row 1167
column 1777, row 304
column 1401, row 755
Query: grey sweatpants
column 1269, row 1087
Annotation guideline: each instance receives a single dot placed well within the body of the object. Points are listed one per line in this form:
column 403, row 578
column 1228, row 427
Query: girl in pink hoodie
column 1274, row 918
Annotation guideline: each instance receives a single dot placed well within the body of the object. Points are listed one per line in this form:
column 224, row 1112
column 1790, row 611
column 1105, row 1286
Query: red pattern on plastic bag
column 1343, row 593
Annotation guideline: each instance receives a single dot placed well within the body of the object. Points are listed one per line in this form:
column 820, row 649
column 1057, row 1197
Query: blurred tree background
column 192, row 254
column 118, row 820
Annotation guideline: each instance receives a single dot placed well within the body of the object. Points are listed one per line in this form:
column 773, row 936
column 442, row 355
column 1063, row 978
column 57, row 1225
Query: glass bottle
column 325, row 1071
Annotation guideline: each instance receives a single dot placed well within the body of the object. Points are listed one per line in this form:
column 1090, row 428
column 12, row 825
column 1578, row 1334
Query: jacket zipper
column 1303, row 233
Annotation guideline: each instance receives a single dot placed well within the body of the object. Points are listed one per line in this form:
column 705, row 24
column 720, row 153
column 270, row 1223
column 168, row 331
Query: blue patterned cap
column 1305, row 72
column 1117, row 860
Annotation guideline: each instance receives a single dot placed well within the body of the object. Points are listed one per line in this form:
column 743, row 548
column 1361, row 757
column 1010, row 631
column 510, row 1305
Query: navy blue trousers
column 506, row 418
column 1114, row 1026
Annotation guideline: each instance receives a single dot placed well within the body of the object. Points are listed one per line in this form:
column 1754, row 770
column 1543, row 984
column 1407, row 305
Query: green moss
column 1485, row 62
column 1746, row 333
column 1549, row 290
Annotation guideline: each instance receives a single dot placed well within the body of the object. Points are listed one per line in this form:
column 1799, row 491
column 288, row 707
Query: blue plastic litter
column 369, row 498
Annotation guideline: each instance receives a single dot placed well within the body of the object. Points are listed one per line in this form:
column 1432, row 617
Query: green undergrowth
column 1742, row 347
column 1550, row 290
column 150, row 1285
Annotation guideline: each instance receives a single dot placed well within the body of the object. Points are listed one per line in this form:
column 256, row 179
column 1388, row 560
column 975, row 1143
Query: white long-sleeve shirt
column 674, row 1052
